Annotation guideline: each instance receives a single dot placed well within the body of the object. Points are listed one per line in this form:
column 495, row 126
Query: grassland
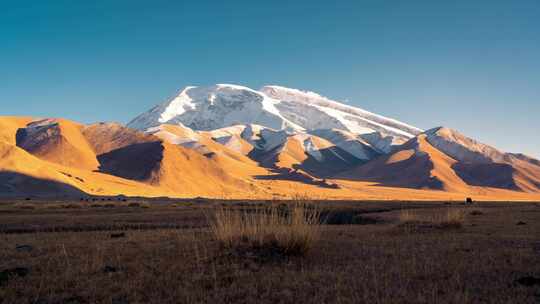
column 165, row 251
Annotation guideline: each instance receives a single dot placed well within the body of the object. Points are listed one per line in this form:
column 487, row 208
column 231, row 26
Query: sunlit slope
column 58, row 140
column 109, row 159
column 9, row 126
column 229, row 159
column 22, row 174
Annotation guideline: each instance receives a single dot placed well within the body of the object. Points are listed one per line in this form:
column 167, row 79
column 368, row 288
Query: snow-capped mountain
column 214, row 107
column 307, row 152
column 463, row 148
column 313, row 111
column 279, row 109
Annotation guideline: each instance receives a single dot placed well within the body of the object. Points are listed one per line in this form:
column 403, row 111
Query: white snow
column 228, row 109
column 177, row 106
column 343, row 112
column 232, row 142
column 349, row 142
column 188, row 139
column 312, row 149
column 213, row 107
column 462, row 148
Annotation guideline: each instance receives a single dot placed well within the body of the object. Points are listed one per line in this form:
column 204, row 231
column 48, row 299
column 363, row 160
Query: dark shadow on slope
column 331, row 165
column 495, row 175
column 414, row 172
column 135, row 162
column 13, row 184
column 335, row 160
column 49, row 135
column 297, row 176
column 265, row 159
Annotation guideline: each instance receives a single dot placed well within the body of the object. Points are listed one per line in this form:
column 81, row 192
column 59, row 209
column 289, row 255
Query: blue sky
column 470, row 65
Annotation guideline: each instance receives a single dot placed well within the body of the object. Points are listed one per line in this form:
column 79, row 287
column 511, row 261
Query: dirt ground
column 161, row 251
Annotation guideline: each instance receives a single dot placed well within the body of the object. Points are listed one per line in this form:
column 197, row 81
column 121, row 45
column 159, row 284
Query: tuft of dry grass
column 453, row 218
column 273, row 231
column 450, row 218
column 26, row 206
column 139, row 205
column 408, row 215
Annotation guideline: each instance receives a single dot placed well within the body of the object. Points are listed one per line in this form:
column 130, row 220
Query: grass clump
column 26, row 206
column 139, row 205
column 450, row 218
column 270, row 232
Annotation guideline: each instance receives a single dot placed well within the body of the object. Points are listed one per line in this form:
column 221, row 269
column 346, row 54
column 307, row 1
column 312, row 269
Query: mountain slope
column 9, row 126
column 351, row 143
column 233, row 161
column 482, row 165
column 416, row 164
column 314, row 111
column 23, row 174
column 462, row 148
column 57, row 140
column 159, row 158
column 105, row 137
column 444, row 159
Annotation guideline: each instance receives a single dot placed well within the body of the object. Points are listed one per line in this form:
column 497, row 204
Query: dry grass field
column 200, row 251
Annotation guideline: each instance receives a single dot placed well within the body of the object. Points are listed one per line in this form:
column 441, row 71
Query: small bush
column 26, row 206
column 267, row 232
column 182, row 204
column 476, row 212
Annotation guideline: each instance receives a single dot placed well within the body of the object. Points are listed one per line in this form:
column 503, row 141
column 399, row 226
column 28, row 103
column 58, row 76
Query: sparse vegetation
column 170, row 255
column 281, row 231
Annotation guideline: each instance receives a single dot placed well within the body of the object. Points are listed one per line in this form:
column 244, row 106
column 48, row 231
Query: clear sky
column 472, row 65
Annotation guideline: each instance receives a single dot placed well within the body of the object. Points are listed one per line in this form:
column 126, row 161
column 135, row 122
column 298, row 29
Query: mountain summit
column 274, row 107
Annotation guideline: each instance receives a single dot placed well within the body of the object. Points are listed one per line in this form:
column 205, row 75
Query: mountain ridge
column 232, row 141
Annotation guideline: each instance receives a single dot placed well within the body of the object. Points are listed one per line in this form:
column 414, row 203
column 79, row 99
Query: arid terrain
column 61, row 158
column 267, row 152
column 163, row 251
